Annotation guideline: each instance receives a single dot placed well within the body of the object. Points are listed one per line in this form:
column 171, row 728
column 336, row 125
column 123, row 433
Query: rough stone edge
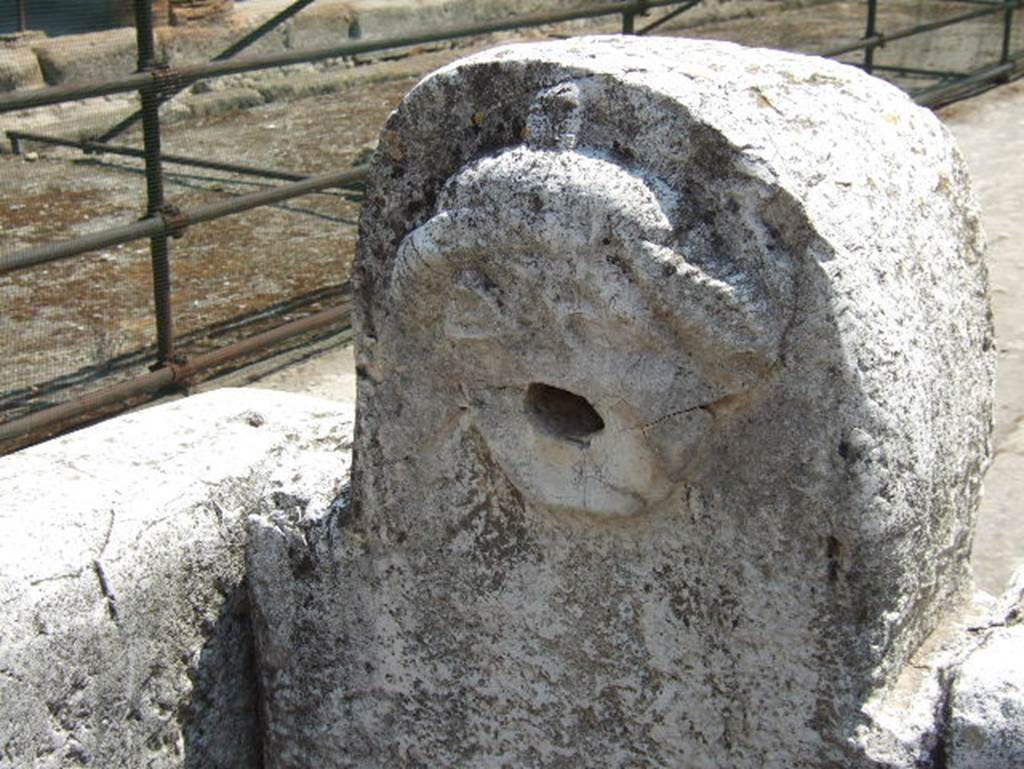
column 956, row 625
column 141, row 461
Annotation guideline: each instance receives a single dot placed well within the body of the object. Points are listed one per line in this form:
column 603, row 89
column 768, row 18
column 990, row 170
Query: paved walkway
column 990, row 130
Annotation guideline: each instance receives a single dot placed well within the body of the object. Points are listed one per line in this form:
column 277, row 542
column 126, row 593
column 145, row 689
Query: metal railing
column 157, row 83
column 22, row 9
column 950, row 85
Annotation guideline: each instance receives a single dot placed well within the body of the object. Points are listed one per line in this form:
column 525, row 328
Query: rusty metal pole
column 1007, row 31
column 869, row 33
column 22, row 15
column 628, row 22
column 159, row 248
column 635, row 8
column 227, row 53
column 165, row 377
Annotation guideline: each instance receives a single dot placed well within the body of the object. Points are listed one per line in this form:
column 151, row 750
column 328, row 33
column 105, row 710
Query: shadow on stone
column 221, row 722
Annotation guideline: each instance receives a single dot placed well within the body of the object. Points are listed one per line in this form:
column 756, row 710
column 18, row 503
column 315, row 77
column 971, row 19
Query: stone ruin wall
column 674, row 402
column 176, row 12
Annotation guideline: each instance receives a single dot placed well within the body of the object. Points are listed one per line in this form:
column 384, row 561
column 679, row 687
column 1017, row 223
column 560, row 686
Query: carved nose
column 562, row 414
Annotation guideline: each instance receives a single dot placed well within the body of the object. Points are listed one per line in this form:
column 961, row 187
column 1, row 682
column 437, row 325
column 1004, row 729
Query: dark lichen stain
column 833, row 552
column 496, row 519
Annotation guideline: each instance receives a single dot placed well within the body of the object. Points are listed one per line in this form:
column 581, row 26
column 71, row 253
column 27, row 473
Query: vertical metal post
column 22, row 15
column 629, row 14
column 158, row 246
column 870, row 31
column 1007, row 31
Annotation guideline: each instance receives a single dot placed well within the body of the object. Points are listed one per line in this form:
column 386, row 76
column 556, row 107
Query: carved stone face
column 671, row 413
column 591, row 357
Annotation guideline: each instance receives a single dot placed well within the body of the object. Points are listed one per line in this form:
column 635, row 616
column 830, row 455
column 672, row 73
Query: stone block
column 192, row 45
column 88, row 58
column 674, row 401
column 322, row 25
column 124, row 12
column 126, row 633
column 985, row 728
column 19, row 68
column 194, row 11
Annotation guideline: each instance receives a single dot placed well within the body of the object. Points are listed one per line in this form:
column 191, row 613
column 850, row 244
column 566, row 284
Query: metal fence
column 31, row 417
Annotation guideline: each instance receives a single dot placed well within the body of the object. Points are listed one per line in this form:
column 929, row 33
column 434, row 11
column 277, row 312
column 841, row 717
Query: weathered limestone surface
column 176, row 11
column 675, row 390
column 190, row 11
column 986, row 702
column 124, row 12
column 125, row 636
column 19, row 68
column 987, row 727
column 674, row 403
column 87, row 57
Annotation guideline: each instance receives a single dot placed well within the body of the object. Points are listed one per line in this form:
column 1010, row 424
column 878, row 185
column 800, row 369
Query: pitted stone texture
column 19, row 68
column 87, row 57
column 986, row 703
column 985, row 719
column 125, row 639
column 674, row 401
column 192, row 11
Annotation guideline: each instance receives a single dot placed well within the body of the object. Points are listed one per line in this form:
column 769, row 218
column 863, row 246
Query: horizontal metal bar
column 163, row 225
column 939, row 94
column 166, row 376
column 236, row 47
column 216, row 210
column 879, row 40
column 222, row 355
column 54, row 251
column 206, row 336
column 978, row 2
column 172, row 78
column 99, row 148
column 40, row 420
column 262, row 29
column 41, row 97
column 896, row 70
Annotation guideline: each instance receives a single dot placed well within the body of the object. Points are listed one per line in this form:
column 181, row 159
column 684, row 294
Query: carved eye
column 474, row 310
column 561, row 413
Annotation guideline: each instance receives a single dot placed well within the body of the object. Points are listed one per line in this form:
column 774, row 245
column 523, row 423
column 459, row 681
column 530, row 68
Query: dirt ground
column 90, row 318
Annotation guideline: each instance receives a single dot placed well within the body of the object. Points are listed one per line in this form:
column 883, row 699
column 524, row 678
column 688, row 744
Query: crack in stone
column 55, row 578
column 700, row 407
column 108, row 594
column 943, row 720
column 97, row 567
column 77, row 573
column 106, row 536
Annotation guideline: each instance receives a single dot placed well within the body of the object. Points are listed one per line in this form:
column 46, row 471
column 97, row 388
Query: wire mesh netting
column 71, row 326
column 66, row 324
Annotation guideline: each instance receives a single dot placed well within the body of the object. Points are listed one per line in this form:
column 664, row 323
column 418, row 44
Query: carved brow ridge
column 529, row 200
